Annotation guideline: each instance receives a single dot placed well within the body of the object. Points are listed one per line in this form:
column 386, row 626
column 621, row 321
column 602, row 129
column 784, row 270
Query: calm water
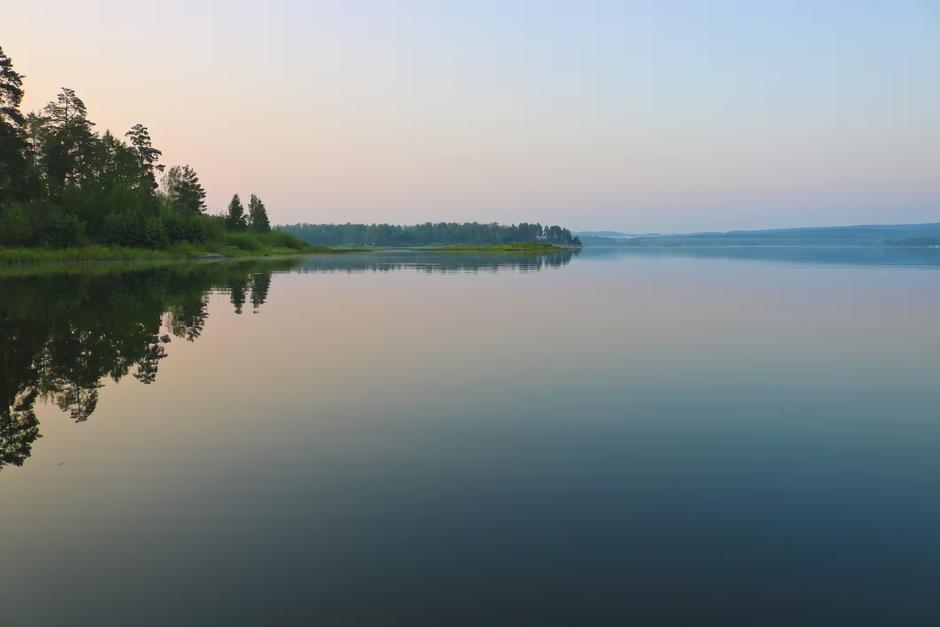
column 651, row 438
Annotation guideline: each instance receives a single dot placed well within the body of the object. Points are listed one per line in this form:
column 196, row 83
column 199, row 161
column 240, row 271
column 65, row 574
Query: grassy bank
column 231, row 245
column 525, row 247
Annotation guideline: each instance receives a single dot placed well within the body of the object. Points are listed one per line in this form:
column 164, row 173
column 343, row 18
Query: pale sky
column 636, row 116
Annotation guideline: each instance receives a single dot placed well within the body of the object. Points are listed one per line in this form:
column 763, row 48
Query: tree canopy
column 235, row 219
column 62, row 183
column 258, row 215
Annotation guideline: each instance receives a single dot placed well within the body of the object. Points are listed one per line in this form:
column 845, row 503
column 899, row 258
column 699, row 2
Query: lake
column 734, row 436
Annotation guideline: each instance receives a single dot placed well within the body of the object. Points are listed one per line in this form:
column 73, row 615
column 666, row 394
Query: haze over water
column 419, row 439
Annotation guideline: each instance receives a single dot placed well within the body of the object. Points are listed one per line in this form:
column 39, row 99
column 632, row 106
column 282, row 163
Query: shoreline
column 100, row 253
column 96, row 253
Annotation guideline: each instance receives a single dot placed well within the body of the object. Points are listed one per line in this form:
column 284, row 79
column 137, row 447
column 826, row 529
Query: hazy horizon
column 635, row 117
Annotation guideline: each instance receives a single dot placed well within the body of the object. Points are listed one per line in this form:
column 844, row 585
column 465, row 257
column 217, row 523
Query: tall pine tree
column 67, row 140
column 258, row 215
column 147, row 155
column 235, row 219
column 12, row 133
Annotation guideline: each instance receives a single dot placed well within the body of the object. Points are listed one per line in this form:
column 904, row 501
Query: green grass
column 80, row 253
column 524, row 247
column 232, row 245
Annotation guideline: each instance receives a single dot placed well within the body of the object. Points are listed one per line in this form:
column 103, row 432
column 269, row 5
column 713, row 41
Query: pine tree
column 67, row 139
column 184, row 191
column 11, row 93
column 258, row 215
column 148, row 156
column 12, row 132
column 236, row 220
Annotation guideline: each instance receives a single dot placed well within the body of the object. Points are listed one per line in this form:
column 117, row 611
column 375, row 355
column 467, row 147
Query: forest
column 62, row 184
column 429, row 234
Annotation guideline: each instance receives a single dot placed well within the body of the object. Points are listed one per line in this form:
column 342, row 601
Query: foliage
column 147, row 156
column 183, row 190
column 236, row 220
column 13, row 166
column 15, row 229
column 64, row 230
column 255, row 246
column 277, row 239
column 194, row 228
column 243, row 241
column 135, row 230
column 63, row 185
column 258, row 215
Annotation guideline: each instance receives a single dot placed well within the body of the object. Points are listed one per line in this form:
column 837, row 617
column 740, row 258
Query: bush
column 242, row 241
column 15, row 229
column 135, row 230
column 195, row 229
column 282, row 240
column 64, row 231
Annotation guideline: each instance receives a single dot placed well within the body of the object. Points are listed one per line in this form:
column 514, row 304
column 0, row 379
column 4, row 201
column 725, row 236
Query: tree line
column 63, row 184
column 427, row 234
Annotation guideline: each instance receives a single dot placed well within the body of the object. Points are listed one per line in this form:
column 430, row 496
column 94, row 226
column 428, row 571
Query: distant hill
column 609, row 234
column 859, row 235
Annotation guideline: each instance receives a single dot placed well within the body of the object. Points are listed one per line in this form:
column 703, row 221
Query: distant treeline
column 62, row 184
column 428, row 234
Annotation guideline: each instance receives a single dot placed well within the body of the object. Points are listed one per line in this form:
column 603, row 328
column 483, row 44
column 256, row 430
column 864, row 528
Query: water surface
column 435, row 439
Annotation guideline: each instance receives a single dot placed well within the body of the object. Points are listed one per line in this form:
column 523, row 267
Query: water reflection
column 438, row 263
column 630, row 439
column 63, row 334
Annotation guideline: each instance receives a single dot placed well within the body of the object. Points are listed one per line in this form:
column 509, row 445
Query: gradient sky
column 636, row 116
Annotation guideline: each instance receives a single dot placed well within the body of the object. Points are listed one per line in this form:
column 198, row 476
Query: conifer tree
column 67, row 140
column 258, row 215
column 235, row 219
column 12, row 135
column 184, row 191
column 147, row 155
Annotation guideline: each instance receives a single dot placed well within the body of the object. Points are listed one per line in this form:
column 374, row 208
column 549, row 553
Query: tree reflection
column 436, row 262
column 63, row 334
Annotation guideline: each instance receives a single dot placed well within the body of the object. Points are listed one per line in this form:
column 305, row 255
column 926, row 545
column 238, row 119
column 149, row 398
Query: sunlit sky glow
column 636, row 116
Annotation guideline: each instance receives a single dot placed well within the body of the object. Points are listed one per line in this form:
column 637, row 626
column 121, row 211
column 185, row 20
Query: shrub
column 242, row 241
column 15, row 229
column 135, row 230
column 282, row 240
column 64, row 231
column 195, row 229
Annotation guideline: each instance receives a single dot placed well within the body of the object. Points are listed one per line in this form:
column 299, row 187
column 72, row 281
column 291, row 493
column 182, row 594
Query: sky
column 658, row 116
